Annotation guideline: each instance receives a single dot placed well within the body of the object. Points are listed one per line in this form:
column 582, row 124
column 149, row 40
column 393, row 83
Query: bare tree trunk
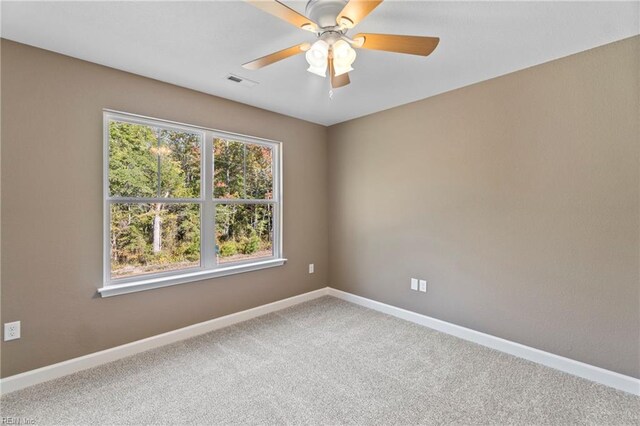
column 157, row 244
column 157, row 229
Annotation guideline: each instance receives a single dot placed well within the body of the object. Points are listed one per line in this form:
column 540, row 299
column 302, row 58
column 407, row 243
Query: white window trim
column 208, row 267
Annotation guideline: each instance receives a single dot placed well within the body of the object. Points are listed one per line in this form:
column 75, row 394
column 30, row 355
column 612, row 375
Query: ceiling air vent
column 241, row 81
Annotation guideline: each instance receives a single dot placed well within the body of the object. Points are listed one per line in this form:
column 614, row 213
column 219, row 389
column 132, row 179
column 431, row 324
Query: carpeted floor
column 322, row 362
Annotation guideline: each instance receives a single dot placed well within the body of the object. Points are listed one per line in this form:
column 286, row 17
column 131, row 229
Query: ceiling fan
column 330, row 20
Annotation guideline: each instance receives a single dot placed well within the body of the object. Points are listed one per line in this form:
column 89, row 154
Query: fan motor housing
column 324, row 12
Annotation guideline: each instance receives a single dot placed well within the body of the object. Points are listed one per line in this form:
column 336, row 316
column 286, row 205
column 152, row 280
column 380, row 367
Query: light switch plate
column 423, row 286
column 311, row 268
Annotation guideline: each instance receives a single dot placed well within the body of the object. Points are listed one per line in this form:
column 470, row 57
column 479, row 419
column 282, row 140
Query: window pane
column 242, row 170
column 258, row 172
column 146, row 161
column 179, row 164
column 228, row 166
column 148, row 238
column 243, row 231
column 133, row 166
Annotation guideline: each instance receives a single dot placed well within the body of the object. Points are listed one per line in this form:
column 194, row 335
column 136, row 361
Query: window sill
column 142, row 285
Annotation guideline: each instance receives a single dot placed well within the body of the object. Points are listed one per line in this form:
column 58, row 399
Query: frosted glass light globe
column 343, row 57
column 317, row 56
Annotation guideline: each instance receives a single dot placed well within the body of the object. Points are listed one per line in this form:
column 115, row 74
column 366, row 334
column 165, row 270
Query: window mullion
column 208, row 226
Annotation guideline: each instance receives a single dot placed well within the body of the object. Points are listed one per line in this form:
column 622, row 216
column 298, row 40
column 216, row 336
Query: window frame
column 208, row 268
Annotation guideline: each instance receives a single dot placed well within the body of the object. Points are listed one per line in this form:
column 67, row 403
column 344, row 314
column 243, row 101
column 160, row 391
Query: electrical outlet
column 11, row 330
column 414, row 284
column 423, row 286
column 311, row 268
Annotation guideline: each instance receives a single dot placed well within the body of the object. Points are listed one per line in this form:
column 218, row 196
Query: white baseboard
column 567, row 365
column 576, row 368
column 54, row 371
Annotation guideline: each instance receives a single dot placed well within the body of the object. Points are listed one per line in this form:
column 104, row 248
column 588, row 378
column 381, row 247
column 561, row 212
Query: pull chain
column 330, row 82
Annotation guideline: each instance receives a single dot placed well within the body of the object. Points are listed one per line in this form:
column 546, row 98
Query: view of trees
column 243, row 171
column 150, row 167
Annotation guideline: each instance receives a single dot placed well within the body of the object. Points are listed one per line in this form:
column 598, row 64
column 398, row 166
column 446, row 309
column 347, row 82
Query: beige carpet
column 322, row 362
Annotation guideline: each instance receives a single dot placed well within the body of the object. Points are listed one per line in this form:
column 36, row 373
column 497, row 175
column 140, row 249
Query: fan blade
column 355, row 11
column 339, row 81
column 277, row 56
column 413, row 45
column 285, row 13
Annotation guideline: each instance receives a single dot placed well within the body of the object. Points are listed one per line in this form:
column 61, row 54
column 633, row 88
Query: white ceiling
column 197, row 44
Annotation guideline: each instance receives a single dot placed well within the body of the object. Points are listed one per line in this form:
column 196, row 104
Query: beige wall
column 516, row 198
column 52, row 208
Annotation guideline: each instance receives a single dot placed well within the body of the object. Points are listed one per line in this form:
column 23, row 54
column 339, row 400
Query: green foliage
column 242, row 170
column 133, row 170
column 251, row 245
column 228, row 166
column 179, row 156
column 148, row 162
column 228, row 248
column 248, row 225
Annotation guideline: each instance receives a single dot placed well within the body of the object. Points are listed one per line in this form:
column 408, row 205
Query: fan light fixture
column 342, row 53
column 343, row 57
column 330, row 21
column 317, row 57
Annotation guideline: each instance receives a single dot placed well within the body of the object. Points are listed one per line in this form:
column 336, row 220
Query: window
column 184, row 203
